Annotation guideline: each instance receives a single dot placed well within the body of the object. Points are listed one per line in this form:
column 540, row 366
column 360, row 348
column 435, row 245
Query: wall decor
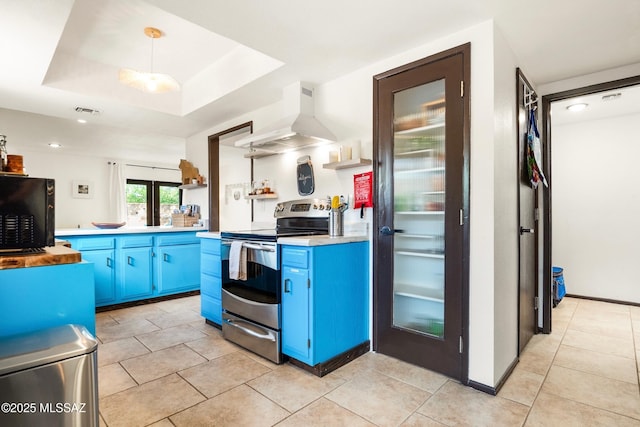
column 82, row 189
column 305, row 176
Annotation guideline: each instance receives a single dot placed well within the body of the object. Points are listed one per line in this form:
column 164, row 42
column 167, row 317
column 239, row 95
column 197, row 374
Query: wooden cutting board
column 53, row 255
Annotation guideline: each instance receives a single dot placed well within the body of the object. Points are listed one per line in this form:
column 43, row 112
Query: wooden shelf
column 191, row 186
column 261, row 196
column 354, row 163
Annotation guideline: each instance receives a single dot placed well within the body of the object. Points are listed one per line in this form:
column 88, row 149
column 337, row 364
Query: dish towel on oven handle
column 534, row 155
column 238, row 261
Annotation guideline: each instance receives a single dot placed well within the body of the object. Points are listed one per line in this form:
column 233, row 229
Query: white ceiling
column 236, row 56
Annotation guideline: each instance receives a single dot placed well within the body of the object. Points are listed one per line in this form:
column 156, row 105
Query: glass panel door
column 419, row 208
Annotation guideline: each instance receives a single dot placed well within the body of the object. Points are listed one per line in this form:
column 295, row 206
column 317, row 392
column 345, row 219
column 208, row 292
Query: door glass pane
column 419, row 205
column 169, row 202
column 136, row 204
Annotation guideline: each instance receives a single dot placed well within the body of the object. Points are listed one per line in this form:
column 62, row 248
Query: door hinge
column 461, row 88
column 536, row 303
column 461, row 345
column 308, row 343
column 536, row 214
column 461, row 216
column 309, row 283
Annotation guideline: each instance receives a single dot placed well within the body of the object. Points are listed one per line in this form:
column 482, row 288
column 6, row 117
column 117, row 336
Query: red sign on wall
column 363, row 190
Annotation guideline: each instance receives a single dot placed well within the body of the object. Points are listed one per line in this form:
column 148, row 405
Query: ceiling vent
column 87, row 110
column 611, row 96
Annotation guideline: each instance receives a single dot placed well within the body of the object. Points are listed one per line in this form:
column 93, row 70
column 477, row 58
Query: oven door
column 258, row 297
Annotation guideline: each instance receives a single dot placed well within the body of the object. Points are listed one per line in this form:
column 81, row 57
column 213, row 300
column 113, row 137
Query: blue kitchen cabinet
column 35, row 298
column 101, row 252
column 178, row 263
column 325, row 300
column 135, row 267
column 211, row 280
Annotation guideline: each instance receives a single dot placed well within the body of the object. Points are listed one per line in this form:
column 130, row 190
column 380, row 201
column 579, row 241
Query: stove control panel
column 303, row 208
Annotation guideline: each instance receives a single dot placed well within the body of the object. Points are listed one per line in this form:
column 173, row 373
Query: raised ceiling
column 236, row 56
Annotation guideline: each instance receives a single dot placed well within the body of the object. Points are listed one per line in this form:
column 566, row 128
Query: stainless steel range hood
column 298, row 129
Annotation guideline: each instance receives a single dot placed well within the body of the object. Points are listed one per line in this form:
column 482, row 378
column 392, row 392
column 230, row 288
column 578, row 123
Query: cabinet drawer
column 169, row 239
column 91, row 244
column 210, row 264
column 211, row 286
column 135, row 241
column 295, row 257
column 210, row 246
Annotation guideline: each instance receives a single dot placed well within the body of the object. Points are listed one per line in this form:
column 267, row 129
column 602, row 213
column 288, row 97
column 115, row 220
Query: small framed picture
column 82, row 189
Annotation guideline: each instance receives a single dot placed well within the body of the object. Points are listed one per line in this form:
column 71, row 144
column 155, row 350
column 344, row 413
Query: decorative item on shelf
column 189, row 173
column 149, row 81
column 261, row 190
column 14, row 163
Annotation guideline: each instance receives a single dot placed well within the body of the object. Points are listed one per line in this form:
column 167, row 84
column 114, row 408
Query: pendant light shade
column 149, row 81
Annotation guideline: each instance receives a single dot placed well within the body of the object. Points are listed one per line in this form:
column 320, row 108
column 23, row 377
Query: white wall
column 345, row 105
column 506, row 221
column 64, row 168
column 595, row 207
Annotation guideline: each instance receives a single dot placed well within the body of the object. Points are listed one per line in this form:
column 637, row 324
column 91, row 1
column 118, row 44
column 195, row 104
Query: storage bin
column 559, row 288
column 182, row 220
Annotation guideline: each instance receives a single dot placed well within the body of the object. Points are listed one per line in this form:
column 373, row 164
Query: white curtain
column 117, row 201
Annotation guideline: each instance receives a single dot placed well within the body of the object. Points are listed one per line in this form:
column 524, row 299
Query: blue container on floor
column 559, row 289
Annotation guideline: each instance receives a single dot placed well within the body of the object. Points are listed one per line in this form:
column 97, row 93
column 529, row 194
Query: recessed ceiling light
column 577, row 107
column 83, row 121
column 55, row 145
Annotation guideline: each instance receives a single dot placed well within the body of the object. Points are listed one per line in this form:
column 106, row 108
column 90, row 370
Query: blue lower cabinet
column 130, row 267
column 211, row 280
column 35, row 298
column 178, row 268
column 135, row 273
column 325, row 300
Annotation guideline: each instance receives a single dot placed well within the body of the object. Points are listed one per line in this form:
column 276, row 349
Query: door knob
column 526, row 230
column 386, row 231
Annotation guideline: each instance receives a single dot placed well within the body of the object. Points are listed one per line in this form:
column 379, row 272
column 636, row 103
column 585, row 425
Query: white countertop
column 318, row 240
column 122, row 230
column 322, row 239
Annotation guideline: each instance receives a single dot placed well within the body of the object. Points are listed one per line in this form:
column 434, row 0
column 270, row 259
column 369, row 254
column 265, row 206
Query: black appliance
column 251, row 307
column 27, row 219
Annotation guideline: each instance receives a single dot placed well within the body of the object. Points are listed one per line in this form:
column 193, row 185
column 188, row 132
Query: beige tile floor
column 161, row 365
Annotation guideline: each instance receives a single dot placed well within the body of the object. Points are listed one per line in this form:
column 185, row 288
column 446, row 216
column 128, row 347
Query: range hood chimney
column 298, row 129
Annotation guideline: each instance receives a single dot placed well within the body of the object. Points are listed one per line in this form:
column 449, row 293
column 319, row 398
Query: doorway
column 599, row 147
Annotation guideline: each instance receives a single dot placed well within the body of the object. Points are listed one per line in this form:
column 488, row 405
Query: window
column 151, row 202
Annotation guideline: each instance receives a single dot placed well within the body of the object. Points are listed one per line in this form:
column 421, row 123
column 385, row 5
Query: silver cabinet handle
column 129, row 260
column 109, row 262
column 266, row 336
column 165, row 257
column 287, row 289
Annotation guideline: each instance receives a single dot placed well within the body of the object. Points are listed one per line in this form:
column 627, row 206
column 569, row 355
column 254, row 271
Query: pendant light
column 149, row 81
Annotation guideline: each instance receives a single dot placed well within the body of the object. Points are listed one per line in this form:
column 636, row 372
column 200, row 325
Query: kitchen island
column 139, row 263
column 44, row 290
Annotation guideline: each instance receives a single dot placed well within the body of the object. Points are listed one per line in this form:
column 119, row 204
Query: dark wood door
column 528, row 224
column 421, row 200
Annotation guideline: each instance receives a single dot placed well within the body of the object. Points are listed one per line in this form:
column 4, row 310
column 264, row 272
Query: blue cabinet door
column 105, row 274
column 295, row 313
column 134, row 273
column 178, row 268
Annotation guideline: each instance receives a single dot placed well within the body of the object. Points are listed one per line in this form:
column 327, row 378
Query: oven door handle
column 235, row 324
column 255, row 246
column 259, row 247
